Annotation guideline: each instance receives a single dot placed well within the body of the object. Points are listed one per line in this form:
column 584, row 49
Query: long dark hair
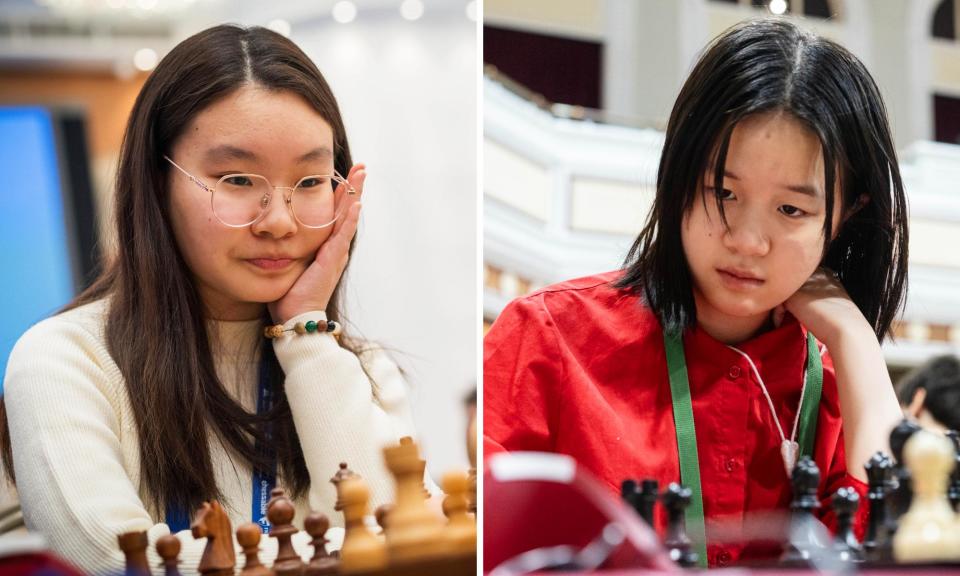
column 155, row 330
column 772, row 65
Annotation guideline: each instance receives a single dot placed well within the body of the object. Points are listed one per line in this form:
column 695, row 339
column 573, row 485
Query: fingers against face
column 344, row 200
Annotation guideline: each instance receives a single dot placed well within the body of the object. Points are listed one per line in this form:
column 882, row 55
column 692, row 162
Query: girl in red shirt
column 745, row 326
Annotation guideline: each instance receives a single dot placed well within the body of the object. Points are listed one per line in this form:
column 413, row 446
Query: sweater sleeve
column 62, row 392
column 522, row 366
column 74, row 489
column 340, row 416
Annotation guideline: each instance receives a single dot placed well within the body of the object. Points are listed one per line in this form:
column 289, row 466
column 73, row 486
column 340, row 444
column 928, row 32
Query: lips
column 739, row 279
column 271, row 263
column 740, row 274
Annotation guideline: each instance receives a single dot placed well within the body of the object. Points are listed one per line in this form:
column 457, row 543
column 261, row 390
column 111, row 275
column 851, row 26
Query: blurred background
column 405, row 75
column 577, row 95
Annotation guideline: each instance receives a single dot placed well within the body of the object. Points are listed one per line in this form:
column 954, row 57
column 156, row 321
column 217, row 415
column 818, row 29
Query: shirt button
column 734, row 372
column 723, row 558
column 731, row 465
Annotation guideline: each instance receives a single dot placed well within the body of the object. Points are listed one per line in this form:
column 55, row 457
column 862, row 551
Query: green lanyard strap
column 687, row 436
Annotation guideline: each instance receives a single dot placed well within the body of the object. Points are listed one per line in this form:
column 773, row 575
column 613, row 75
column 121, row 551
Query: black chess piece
column 675, row 499
column 643, row 498
column 878, row 477
column 647, row 499
column 953, row 491
column 803, row 540
column 900, row 493
column 322, row 563
column 629, row 493
column 845, row 503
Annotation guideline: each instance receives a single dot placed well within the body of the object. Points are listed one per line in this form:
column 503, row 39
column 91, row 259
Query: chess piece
column 676, row 498
column 845, row 503
column 901, row 488
column 381, row 514
column 322, row 564
column 876, row 540
column 248, row 536
column 804, row 539
column 211, row 522
column 630, row 493
column 472, row 473
column 168, row 547
column 342, row 474
column 413, row 532
column 461, row 531
column 647, row 499
column 928, row 531
column 953, row 492
column 280, row 512
column 361, row 550
column 408, row 441
column 134, row 547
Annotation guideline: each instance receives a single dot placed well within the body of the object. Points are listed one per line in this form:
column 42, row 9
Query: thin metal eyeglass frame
column 288, row 198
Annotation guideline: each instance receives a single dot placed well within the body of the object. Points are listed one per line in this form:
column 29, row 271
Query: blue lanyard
column 263, row 482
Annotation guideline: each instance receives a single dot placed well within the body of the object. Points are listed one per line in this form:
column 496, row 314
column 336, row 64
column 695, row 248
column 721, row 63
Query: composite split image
column 721, row 293
column 507, row 287
column 240, row 328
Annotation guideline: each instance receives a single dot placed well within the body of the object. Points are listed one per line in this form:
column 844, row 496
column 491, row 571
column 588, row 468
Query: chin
column 741, row 308
column 265, row 294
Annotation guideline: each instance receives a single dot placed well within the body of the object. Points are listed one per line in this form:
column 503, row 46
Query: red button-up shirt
column 579, row 368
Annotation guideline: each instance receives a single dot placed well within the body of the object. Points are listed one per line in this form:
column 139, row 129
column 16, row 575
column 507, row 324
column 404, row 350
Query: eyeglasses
column 239, row 200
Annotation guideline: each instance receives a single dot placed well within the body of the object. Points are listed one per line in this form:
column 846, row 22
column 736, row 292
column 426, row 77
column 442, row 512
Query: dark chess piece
column 641, row 498
column 219, row 556
column 134, row 547
column 168, row 547
column 845, row 503
column 875, row 541
column 900, row 493
column 676, row 498
column 322, row 564
column 248, row 536
column 280, row 512
column 647, row 499
column 630, row 493
column 342, row 474
column 804, row 539
column 953, row 491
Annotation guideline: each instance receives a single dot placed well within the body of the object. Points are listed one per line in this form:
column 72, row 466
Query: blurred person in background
column 930, row 393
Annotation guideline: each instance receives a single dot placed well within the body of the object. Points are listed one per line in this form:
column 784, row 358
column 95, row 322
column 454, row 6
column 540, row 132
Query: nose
column 745, row 235
column 277, row 219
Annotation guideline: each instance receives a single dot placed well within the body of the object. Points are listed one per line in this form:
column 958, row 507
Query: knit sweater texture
column 76, row 452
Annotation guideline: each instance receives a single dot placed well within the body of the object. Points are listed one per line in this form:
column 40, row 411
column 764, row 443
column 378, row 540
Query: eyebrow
column 805, row 189
column 227, row 152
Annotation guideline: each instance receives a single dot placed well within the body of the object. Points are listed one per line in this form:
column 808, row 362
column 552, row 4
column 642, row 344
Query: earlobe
column 916, row 403
column 861, row 201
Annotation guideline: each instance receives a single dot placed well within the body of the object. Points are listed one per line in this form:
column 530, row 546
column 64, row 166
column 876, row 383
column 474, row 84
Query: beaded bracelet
column 329, row 327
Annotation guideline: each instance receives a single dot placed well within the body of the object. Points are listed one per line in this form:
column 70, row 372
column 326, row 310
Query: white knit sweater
column 77, row 458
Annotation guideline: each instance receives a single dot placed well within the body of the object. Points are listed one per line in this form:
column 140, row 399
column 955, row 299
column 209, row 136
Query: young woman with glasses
column 156, row 389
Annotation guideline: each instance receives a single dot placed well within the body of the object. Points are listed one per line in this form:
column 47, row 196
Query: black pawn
column 803, row 539
column 878, row 477
column 845, row 503
column 676, row 498
column 901, row 487
column 953, row 491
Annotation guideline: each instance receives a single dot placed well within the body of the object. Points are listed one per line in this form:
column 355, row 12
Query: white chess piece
column 929, row 529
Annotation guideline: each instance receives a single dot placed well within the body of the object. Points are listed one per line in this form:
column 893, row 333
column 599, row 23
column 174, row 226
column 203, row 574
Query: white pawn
column 929, row 531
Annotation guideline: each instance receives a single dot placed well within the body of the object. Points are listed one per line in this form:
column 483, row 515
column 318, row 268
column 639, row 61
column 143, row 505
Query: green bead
column 311, row 326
